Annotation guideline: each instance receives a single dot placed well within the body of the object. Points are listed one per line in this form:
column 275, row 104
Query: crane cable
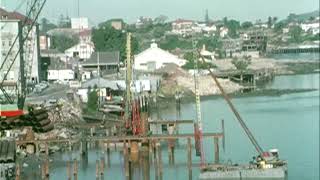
column 234, row 110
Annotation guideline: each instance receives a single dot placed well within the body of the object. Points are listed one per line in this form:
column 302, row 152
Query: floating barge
column 268, row 167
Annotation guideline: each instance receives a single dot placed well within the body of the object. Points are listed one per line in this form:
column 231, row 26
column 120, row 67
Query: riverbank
column 164, row 102
column 177, row 80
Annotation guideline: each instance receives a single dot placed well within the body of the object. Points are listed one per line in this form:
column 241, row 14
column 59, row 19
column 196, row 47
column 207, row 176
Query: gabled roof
column 105, row 58
column 14, row 16
column 154, row 53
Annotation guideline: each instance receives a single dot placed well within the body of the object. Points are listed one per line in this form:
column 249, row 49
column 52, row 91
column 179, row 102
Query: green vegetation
column 172, row 42
column 241, row 64
column 190, row 62
column 212, row 43
column 233, row 27
column 246, row 25
column 296, row 34
column 46, row 26
column 63, row 42
column 92, row 104
column 106, row 38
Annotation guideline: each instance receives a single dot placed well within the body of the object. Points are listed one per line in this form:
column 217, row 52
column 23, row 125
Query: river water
column 289, row 123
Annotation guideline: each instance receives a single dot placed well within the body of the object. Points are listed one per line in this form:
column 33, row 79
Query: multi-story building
column 80, row 23
column 14, row 24
column 182, row 26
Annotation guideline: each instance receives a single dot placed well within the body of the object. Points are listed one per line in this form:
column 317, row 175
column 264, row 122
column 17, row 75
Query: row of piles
column 7, row 151
column 37, row 119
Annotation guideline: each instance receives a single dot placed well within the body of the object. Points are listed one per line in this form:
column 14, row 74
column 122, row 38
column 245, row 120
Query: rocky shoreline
column 177, row 80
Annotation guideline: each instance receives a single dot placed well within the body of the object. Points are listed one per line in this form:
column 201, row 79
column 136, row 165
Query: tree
column 279, row 26
column 172, row 42
column 63, row 42
column 190, row 62
column 246, row 25
column 212, row 43
column 295, row 33
column 46, row 26
column 106, row 38
column 269, row 22
column 241, row 64
column 274, row 20
column 92, row 104
column 233, row 27
column 160, row 19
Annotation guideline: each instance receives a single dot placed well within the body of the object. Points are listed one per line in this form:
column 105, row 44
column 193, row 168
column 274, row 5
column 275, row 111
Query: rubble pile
column 207, row 86
column 178, row 79
column 65, row 112
column 57, row 133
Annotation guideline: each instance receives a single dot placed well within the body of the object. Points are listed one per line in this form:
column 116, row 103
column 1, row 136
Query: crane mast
column 198, row 123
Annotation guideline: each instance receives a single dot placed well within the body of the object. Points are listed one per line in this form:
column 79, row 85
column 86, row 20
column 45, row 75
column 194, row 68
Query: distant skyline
column 101, row 10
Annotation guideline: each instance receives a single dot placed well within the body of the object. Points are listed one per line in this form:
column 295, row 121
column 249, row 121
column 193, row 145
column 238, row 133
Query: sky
column 101, row 10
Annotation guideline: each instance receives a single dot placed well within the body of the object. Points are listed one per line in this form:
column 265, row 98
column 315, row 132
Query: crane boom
column 234, row 110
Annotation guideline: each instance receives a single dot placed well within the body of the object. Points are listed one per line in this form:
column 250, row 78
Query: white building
column 154, row 58
column 61, row 75
column 45, row 42
column 223, row 31
column 208, row 56
column 182, row 26
column 80, row 23
column 312, row 26
column 81, row 50
column 10, row 28
column 9, row 31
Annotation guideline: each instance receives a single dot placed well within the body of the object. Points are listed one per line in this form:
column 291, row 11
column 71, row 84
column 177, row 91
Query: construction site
column 115, row 129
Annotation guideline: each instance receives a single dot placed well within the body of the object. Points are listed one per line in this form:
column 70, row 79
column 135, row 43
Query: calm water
column 297, row 56
column 289, row 123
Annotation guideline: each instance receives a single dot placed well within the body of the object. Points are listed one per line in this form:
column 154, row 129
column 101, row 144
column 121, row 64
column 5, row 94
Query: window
column 10, row 43
column 3, row 43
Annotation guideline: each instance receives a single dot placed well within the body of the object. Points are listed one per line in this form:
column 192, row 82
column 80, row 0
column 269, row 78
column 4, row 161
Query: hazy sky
column 130, row 10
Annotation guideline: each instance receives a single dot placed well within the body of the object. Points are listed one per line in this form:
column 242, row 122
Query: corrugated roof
column 100, row 82
column 105, row 58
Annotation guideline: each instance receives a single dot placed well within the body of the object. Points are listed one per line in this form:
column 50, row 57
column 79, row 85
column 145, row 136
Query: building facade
column 154, row 58
column 30, row 52
column 80, row 23
column 182, row 26
column 82, row 51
